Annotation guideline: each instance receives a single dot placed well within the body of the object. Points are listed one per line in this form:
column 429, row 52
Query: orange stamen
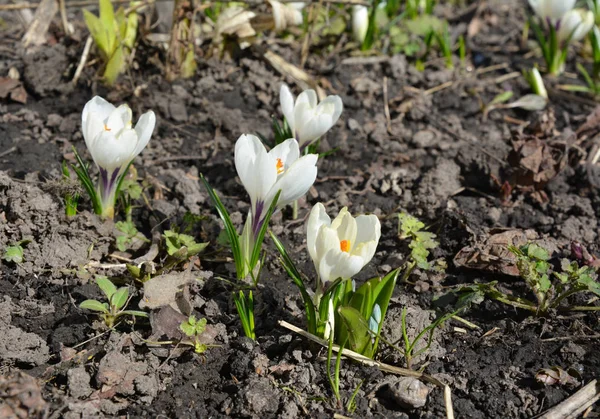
column 345, row 246
column 279, row 166
column 106, row 128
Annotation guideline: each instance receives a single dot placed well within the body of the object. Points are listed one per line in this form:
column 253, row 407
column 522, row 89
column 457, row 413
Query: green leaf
column 189, row 326
column 293, row 273
column 94, row 305
column 544, row 283
column 13, row 254
column 501, row 98
column 114, row 66
column 107, row 287
column 537, row 252
column 234, row 238
column 119, row 298
column 136, row 313
column 97, row 32
column 359, row 335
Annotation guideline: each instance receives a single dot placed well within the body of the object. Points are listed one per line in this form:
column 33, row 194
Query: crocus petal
column 92, row 126
column 119, row 119
column 110, row 152
column 326, row 240
column 288, row 152
column 318, row 217
column 296, row 181
column 309, row 97
column 368, row 228
column 256, row 169
column 99, row 107
column 337, row 264
column 345, row 226
column 556, row 9
column 365, row 251
column 287, row 105
column 144, row 129
column 575, row 24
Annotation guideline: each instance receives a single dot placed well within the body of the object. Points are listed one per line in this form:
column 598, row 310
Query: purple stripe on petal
column 257, row 218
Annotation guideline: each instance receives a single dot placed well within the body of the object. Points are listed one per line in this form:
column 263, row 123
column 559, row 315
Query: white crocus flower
column 360, row 22
column 552, row 10
column 342, row 247
column 308, row 120
column 575, row 24
column 263, row 173
column 113, row 143
column 288, row 14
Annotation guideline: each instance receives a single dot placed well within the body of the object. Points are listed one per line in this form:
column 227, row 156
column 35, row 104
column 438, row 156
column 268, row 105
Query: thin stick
column 83, row 59
column 386, row 105
column 448, row 402
column 572, row 407
column 63, row 17
column 7, row 152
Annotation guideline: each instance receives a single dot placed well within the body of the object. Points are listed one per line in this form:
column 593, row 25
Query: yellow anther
column 345, row 246
column 279, row 166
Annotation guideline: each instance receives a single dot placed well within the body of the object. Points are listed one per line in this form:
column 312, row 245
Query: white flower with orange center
column 342, row 247
column 263, row 173
column 113, row 143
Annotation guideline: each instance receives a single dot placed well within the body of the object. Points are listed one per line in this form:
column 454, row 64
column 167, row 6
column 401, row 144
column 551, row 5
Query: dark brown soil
column 435, row 158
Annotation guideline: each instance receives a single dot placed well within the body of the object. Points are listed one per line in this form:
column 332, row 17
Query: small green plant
column 131, row 190
column 592, row 84
column 129, row 234
column 114, row 35
column 115, row 307
column 193, row 329
column 416, row 8
column 245, row 309
column 182, row 246
column 71, row 197
column 14, row 252
column 421, row 241
column 550, row 288
column 409, row 351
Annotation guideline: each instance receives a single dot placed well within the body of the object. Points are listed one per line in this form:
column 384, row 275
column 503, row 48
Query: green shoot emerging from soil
column 71, row 198
column 245, row 309
column 115, row 307
column 14, row 252
column 114, row 35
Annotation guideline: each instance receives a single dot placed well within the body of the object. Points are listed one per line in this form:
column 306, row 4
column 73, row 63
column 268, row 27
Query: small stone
column 424, row 138
column 79, row 382
column 408, row 392
column 285, row 339
column 54, row 120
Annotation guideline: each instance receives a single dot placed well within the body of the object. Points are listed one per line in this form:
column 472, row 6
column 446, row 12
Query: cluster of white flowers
column 338, row 248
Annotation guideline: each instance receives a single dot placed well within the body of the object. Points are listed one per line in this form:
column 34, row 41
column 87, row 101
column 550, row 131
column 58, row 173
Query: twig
column 301, row 77
column 36, row 32
column 386, row 106
column 575, row 337
column 448, row 402
column 83, row 60
column 63, row 17
column 575, row 405
column 7, row 152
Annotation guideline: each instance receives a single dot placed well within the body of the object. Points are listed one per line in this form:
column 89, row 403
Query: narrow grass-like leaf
column 293, row 273
column 234, row 238
column 359, row 336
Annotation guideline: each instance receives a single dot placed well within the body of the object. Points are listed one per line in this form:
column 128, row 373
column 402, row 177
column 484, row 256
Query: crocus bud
column 575, row 24
column 360, row 22
column 113, row 143
column 307, row 119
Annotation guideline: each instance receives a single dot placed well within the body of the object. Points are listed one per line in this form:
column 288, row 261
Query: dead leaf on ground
column 491, row 253
column 13, row 89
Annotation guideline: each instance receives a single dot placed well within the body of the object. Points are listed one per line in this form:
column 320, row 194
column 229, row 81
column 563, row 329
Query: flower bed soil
column 434, row 157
